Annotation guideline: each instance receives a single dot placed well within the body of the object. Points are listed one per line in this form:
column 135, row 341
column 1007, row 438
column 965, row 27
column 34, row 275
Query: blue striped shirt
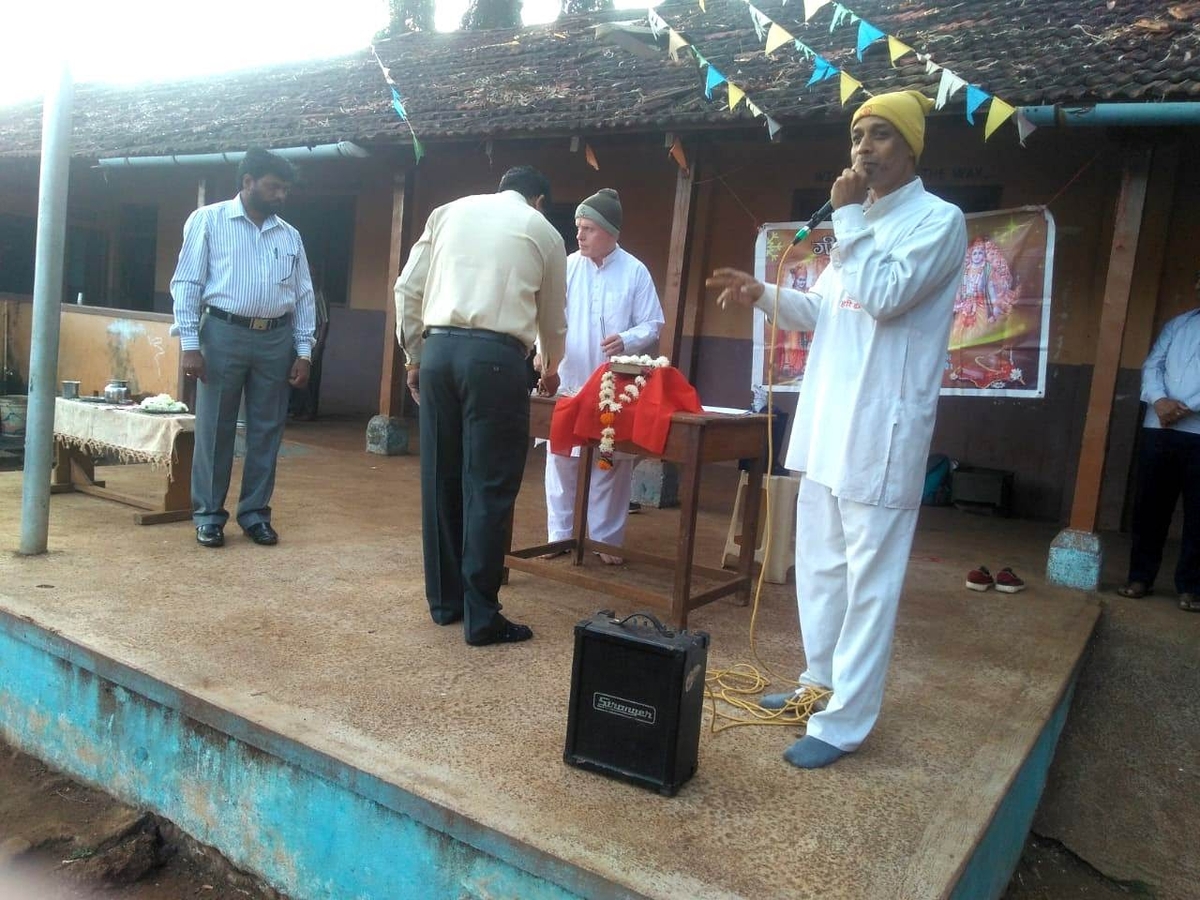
column 229, row 262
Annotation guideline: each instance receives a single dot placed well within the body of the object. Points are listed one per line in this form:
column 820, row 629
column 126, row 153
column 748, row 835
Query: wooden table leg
column 583, row 488
column 689, row 491
column 177, row 498
column 750, row 507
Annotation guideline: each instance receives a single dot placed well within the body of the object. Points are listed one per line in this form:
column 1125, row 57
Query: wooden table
column 75, row 442
column 693, row 440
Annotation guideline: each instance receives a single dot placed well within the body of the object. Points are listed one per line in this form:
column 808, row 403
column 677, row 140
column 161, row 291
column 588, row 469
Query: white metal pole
column 47, row 311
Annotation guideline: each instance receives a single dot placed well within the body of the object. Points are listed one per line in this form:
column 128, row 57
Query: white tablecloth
column 123, row 431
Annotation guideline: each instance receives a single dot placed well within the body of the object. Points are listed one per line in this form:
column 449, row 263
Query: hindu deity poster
column 1000, row 334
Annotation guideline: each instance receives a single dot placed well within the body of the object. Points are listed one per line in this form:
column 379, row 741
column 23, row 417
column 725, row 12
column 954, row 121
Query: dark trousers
column 474, row 418
column 1168, row 466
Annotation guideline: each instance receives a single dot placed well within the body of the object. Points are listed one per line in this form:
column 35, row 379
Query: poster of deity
column 999, row 339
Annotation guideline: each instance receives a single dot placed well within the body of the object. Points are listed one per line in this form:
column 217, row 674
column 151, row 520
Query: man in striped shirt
column 245, row 315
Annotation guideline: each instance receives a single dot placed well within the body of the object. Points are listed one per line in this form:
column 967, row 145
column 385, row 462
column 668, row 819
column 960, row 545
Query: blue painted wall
column 308, row 825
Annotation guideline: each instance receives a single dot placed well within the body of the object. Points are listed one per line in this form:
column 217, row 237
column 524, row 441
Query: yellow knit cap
column 905, row 110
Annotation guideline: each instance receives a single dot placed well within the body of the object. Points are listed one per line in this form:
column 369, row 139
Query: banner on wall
column 999, row 340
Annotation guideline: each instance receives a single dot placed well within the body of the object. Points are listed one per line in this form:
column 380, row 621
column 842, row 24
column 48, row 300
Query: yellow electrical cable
column 734, row 685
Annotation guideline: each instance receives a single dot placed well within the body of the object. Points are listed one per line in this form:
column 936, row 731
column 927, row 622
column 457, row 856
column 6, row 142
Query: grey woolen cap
column 603, row 208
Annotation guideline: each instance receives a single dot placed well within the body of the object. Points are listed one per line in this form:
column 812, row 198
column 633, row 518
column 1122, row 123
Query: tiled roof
column 559, row 79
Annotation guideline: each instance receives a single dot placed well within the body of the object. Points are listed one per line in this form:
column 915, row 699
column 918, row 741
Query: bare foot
column 554, row 554
column 609, row 560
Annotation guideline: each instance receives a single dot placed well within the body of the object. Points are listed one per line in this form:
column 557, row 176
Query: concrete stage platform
column 295, row 707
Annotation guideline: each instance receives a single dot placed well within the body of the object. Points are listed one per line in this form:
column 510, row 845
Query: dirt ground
column 60, row 840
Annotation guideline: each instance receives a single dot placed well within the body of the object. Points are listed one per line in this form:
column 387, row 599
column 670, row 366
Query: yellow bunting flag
column 703, row 8
column 999, row 113
column 850, row 84
column 811, row 6
column 677, row 154
column 736, row 95
column 776, row 38
column 590, row 155
column 675, row 43
column 897, row 49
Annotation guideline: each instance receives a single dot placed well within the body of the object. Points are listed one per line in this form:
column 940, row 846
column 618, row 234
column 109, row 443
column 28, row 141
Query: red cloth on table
column 644, row 422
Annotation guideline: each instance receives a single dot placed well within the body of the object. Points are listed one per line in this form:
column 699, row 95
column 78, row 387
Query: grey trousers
column 238, row 360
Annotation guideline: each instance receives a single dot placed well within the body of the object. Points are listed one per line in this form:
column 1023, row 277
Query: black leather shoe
column 508, row 633
column 210, row 535
column 262, row 533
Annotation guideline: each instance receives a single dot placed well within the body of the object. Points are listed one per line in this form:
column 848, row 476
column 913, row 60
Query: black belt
column 480, row 333
column 254, row 323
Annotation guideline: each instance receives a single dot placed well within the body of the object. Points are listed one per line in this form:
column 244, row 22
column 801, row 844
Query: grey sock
column 811, row 753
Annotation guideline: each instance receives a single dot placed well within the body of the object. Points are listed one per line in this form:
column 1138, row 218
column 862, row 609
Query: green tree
column 575, row 7
column 482, row 15
column 408, row 15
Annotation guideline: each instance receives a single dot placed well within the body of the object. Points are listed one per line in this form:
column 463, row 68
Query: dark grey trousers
column 474, row 419
column 238, row 360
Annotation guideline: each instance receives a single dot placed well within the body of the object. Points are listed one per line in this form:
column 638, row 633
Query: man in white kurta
column 612, row 309
column 881, row 313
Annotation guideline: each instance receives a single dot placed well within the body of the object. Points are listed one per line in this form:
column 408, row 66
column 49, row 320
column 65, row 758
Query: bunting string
column 398, row 105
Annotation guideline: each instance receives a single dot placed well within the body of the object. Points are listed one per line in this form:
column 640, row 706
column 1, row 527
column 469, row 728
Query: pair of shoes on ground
column 507, row 633
column 1006, row 581
column 1136, row 590
column 214, row 535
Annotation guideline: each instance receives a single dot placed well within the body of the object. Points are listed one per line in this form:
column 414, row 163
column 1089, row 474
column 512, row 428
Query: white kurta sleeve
column 646, row 313
column 796, row 310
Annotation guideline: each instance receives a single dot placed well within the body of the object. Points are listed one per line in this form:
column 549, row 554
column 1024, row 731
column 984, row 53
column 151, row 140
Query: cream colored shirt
column 487, row 261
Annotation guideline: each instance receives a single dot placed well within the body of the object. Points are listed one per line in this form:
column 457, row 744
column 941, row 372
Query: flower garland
column 612, row 403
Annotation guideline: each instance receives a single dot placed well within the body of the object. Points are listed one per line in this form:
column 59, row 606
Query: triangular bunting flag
column 999, row 113
column 1024, row 127
column 776, row 38
column 849, row 86
column 703, row 8
column 867, row 35
column 897, row 48
column 976, row 97
column 840, row 15
column 811, row 6
column 418, row 150
column 822, row 69
column 398, row 105
column 931, row 68
column 701, row 62
column 950, row 85
column 761, row 22
column 808, row 51
column 736, row 95
column 676, row 43
column 753, row 107
column 714, row 78
column 657, row 25
column 590, row 155
column 677, row 154
column 772, row 127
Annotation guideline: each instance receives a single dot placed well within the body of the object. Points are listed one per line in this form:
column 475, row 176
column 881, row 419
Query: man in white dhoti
column 881, row 313
column 612, row 310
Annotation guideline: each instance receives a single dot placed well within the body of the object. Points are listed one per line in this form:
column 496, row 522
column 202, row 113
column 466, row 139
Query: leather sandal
column 1135, row 590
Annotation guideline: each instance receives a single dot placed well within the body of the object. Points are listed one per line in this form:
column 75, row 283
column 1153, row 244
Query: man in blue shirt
column 1169, row 461
column 244, row 313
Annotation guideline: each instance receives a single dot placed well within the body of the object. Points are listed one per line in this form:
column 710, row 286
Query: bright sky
column 126, row 41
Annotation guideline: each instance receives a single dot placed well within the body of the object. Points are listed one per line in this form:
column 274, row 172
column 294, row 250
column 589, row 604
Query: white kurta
column 615, row 297
column 881, row 315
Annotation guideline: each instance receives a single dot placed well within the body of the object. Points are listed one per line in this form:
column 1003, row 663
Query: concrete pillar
column 655, row 483
column 1076, row 560
column 388, row 435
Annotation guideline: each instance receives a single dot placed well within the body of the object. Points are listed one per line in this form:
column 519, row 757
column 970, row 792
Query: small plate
column 162, row 412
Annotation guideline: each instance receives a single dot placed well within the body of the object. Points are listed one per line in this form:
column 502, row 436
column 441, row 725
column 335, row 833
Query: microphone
column 817, row 218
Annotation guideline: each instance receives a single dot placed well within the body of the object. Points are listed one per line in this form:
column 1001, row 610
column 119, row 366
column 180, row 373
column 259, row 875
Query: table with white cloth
column 84, row 430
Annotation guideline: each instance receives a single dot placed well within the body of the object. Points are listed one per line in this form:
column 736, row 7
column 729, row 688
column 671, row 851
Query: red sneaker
column 980, row 579
column 1007, row 581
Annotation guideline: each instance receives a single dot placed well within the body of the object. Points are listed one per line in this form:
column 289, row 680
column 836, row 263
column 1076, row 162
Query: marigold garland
column 612, row 403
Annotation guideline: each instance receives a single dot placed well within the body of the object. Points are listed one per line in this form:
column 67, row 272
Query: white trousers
column 850, row 565
column 608, row 498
